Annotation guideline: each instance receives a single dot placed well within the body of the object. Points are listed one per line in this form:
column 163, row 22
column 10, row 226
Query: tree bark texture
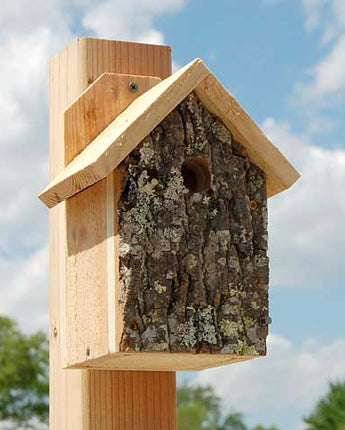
column 193, row 240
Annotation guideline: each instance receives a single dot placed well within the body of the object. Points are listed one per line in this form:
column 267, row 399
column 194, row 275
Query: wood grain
column 98, row 106
column 137, row 396
column 91, row 217
column 80, row 399
column 162, row 361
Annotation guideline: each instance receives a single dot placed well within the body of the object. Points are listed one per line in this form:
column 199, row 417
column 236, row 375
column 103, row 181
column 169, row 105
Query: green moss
column 141, row 216
column 200, row 327
column 206, row 325
column 146, row 319
column 190, row 261
column 175, row 188
column 228, row 328
column 248, row 322
column 160, row 288
column 244, row 349
column 249, row 350
column 147, row 154
column 212, row 213
column 173, row 234
column 188, row 332
column 254, row 305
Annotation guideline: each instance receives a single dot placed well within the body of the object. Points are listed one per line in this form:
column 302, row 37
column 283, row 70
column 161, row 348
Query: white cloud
column 328, row 78
column 131, row 20
column 24, row 294
column 282, row 387
column 29, row 36
column 327, row 15
column 306, row 228
column 339, row 11
column 24, row 138
column 21, row 17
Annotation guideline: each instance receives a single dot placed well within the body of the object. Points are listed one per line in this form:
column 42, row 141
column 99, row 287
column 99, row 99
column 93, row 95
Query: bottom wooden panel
column 131, row 400
column 160, row 361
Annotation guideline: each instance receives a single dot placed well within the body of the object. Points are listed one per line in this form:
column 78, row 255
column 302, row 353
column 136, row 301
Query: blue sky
column 284, row 60
column 258, row 50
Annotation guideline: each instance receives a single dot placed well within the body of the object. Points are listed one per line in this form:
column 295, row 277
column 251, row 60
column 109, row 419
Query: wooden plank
column 137, row 396
column 66, row 390
column 80, row 398
column 121, row 136
column 86, row 274
column 161, row 361
column 91, row 215
column 98, row 106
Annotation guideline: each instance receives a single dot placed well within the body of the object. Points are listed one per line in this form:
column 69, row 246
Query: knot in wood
column 253, row 205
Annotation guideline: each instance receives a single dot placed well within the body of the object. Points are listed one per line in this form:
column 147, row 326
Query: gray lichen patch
column 193, row 264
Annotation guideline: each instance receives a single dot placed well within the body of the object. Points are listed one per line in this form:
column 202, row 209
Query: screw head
column 133, row 86
column 266, row 320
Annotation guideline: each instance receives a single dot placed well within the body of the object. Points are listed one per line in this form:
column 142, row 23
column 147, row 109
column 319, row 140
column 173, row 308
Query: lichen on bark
column 193, row 265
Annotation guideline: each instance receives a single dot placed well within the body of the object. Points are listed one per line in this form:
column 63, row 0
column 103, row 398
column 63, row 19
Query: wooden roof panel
column 128, row 129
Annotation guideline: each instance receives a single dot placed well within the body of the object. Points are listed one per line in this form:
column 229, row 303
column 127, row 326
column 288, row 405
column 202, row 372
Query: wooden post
column 97, row 399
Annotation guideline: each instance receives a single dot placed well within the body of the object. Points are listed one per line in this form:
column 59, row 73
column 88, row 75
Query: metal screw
column 133, row 86
column 55, row 332
column 88, row 351
column 266, row 320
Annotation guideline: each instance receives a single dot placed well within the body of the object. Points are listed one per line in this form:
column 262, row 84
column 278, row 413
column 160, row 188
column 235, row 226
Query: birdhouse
column 165, row 193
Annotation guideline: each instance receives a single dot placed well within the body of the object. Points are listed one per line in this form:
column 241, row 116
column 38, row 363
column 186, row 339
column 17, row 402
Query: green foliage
column 234, row 422
column 199, row 408
column 329, row 413
column 23, row 374
column 260, row 427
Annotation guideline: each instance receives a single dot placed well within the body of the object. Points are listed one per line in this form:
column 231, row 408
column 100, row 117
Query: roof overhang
column 129, row 128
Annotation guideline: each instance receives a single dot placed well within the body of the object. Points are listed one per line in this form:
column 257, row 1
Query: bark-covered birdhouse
column 165, row 191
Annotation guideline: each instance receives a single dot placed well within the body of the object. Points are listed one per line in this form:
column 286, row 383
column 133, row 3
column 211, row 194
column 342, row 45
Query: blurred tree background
column 24, row 392
column 23, row 376
column 330, row 411
column 199, row 408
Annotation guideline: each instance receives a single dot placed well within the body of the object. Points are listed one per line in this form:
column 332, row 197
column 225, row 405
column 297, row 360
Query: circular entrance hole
column 196, row 174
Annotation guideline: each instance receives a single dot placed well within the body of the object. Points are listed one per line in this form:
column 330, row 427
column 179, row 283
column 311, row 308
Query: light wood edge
column 111, row 261
column 118, row 320
column 280, row 173
column 105, row 152
column 66, row 392
column 150, row 361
